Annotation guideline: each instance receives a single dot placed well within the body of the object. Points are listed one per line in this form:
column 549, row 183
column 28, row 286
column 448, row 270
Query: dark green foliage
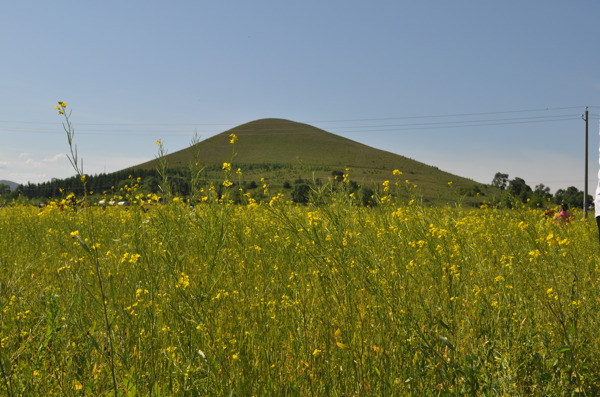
column 500, row 180
column 301, row 193
column 519, row 189
column 541, row 195
column 471, row 191
column 106, row 184
column 571, row 196
column 367, row 197
column 338, row 176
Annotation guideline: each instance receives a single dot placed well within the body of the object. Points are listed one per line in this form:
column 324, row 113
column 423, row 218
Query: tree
column 542, row 190
column 500, row 180
column 541, row 195
column 301, row 193
column 571, row 196
column 518, row 188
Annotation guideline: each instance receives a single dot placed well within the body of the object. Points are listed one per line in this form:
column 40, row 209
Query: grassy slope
column 311, row 151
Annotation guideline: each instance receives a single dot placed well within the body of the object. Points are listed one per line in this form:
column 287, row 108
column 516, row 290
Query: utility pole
column 585, row 186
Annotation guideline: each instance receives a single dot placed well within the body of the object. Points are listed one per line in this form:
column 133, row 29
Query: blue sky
column 472, row 87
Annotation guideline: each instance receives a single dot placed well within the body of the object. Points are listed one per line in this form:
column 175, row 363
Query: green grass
column 277, row 299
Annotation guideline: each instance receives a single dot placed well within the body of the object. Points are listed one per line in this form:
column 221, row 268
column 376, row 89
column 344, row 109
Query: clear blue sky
column 472, row 87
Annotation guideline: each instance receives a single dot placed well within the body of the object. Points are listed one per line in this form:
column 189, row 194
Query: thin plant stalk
column 92, row 251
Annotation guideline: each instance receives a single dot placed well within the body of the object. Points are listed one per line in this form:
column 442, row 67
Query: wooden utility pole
column 585, row 186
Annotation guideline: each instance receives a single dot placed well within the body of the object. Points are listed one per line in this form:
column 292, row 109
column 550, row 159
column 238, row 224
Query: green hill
column 282, row 150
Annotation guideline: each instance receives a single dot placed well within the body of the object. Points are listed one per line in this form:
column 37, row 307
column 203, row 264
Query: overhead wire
column 372, row 127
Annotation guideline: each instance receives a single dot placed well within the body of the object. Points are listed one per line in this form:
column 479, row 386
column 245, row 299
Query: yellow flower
column 233, row 138
column 386, row 186
column 227, row 166
column 397, row 172
column 159, row 142
column 62, row 104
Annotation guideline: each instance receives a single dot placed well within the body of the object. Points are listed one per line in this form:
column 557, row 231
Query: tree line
column 513, row 191
column 517, row 190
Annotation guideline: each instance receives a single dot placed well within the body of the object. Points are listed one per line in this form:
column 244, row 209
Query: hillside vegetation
column 282, row 150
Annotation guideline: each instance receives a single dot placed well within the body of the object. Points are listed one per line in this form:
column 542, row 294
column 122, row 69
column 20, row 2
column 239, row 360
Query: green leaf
column 443, row 324
column 446, row 342
column 82, row 243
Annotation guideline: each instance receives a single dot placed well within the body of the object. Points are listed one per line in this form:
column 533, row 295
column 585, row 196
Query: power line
column 356, row 128
column 262, row 131
column 540, row 118
column 318, row 121
column 454, row 115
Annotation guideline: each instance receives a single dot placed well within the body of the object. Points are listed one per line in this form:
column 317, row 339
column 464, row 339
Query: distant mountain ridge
column 12, row 185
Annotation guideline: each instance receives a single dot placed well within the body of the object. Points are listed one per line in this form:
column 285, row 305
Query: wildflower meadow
column 280, row 299
column 274, row 298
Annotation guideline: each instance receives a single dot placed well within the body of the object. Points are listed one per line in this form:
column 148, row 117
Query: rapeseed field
column 279, row 299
